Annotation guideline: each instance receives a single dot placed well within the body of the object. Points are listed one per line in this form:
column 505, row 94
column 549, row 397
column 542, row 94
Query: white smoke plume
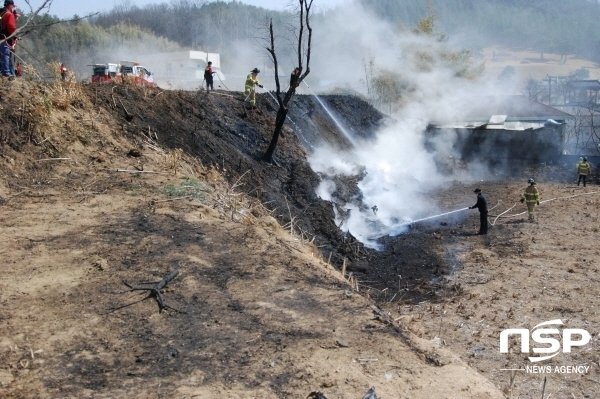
column 398, row 173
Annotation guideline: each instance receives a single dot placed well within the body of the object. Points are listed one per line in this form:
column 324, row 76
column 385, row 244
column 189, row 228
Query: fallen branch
column 53, row 159
column 154, row 291
column 128, row 116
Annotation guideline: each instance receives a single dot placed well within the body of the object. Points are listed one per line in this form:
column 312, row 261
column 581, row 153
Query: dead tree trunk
column 304, row 44
column 279, row 122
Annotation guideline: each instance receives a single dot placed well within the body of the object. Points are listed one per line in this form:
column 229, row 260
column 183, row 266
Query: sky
column 68, row 8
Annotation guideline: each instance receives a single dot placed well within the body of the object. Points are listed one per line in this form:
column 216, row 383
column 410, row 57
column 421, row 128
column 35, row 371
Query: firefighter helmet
column 255, row 70
column 531, row 181
column 584, row 159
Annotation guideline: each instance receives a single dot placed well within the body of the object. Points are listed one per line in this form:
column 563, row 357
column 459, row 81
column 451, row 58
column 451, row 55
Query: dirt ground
column 519, row 275
column 260, row 308
column 528, row 64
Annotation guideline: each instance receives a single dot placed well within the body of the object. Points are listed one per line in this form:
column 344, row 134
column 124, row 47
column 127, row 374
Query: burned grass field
column 261, row 306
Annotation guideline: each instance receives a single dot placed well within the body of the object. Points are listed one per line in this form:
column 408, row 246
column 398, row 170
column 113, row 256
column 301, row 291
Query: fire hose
column 541, row 202
column 501, row 215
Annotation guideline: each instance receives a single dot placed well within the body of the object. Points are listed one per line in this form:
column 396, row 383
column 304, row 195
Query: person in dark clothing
column 483, row 211
column 294, row 77
column 208, row 76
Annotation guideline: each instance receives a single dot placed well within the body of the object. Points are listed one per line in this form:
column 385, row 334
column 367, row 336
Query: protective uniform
column 531, row 197
column 583, row 168
column 251, row 81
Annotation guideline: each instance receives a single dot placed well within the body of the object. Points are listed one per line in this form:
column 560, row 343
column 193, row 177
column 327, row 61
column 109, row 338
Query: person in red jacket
column 63, row 72
column 9, row 26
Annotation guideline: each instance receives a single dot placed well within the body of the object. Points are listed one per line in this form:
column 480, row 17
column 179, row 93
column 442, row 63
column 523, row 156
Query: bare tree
column 533, row 89
column 303, row 53
column 387, row 87
column 582, row 134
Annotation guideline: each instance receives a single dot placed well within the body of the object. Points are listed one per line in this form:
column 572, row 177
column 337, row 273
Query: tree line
column 219, row 26
column 562, row 27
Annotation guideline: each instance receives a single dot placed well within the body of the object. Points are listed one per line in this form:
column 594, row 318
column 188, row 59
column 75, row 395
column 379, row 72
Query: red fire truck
column 125, row 71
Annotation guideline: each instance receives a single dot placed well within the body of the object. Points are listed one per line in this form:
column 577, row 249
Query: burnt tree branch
column 154, row 291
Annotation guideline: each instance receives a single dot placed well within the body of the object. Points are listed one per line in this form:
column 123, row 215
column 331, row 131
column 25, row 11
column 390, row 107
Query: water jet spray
column 338, row 124
column 395, row 231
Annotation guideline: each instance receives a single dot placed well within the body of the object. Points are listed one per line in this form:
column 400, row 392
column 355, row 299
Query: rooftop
column 584, row 84
column 509, row 112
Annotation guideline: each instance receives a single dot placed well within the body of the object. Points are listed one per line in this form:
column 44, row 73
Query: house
column 496, row 129
column 582, row 93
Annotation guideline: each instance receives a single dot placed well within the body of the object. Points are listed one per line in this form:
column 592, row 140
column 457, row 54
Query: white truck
column 126, row 70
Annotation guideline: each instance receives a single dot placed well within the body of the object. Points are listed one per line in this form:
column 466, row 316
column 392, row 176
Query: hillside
column 101, row 185
column 258, row 307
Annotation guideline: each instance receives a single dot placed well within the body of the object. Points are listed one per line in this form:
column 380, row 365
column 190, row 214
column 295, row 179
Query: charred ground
column 220, row 131
column 265, row 316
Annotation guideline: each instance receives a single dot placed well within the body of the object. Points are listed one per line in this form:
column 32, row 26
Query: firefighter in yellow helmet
column 531, row 197
column 251, row 81
column 584, row 169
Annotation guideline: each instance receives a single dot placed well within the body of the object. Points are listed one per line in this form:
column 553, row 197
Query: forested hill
column 557, row 26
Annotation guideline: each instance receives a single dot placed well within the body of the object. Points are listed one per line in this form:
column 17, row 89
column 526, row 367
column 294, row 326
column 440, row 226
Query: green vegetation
column 81, row 43
column 191, row 188
column 581, row 73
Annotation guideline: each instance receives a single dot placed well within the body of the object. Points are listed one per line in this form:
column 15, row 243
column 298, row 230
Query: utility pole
column 549, row 79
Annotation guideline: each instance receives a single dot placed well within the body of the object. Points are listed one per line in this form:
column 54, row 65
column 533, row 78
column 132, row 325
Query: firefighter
column 250, row 91
column 483, row 211
column 208, row 76
column 9, row 27
column 531, row 197
column 63, row 72
column 583, row 168
column 294, row 77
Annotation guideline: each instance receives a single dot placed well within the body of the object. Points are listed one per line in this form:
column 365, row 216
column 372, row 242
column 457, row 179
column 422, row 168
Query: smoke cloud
column 398, row 172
